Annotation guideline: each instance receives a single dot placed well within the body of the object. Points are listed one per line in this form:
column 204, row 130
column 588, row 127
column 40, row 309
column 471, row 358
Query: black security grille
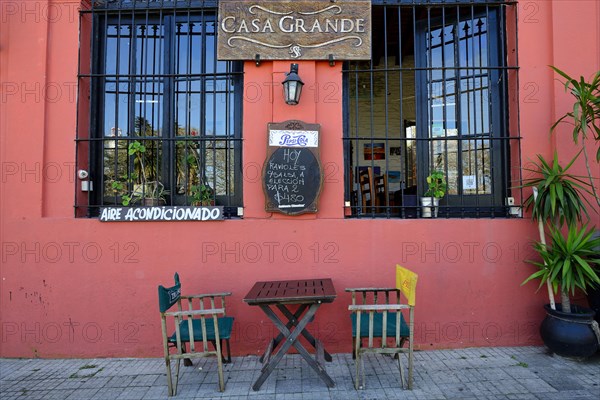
column 439, row 95
column 163, row 119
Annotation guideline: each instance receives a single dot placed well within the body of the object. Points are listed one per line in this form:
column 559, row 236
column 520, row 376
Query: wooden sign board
column 292, row 174
column 294, row 30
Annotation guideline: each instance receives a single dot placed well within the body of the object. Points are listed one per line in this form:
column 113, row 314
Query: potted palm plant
column 570, row 260
column 585, row 119
column 436, row 182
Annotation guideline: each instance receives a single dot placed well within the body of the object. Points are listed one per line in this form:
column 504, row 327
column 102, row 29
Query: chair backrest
column 169, row 296
column 406, row 282
column 365, row 183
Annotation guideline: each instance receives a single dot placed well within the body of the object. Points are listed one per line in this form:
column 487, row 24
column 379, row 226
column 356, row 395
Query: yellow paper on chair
column 406, row 281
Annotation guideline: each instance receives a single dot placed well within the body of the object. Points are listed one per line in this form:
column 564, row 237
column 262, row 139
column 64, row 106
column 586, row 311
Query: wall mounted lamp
column 292, row 86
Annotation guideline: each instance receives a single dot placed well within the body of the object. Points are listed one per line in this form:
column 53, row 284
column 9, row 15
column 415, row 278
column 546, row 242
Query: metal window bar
column 473, row 69
column 136, row 87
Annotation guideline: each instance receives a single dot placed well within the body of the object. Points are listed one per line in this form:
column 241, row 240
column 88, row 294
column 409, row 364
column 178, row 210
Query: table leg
column 292, row 320
column 307, row 335
column 292, row 339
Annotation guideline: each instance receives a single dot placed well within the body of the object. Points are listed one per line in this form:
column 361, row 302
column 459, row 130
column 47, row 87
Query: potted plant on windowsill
column 436, row 182
column 150, row 194
column 146, row 192
column 202, row 195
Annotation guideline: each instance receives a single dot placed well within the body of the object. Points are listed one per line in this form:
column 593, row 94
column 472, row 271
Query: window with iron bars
column 436, row 106
column 163, row 122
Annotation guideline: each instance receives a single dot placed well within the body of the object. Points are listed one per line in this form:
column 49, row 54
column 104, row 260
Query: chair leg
column 401, row 369
column 359, row 367
column 410, row 367
column 220, row 366
column 362, row 371
column 357, row 384
column 225, row 360
column 354, row 349
column 187, row 362
column 176, row 378
column 228, row 351
column 169, row 377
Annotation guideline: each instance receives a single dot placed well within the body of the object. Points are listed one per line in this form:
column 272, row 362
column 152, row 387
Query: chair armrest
column 378, row 307
column 203, row 295
column 183, row 313
column 371, row 289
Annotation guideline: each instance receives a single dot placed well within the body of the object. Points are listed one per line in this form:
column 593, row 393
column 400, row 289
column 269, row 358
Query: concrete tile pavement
column 477, row 373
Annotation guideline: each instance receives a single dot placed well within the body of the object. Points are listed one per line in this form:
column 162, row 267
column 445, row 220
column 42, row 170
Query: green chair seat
column 225, row 325
column 378, row 325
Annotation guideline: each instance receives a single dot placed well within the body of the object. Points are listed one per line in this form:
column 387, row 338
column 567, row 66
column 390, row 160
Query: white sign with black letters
column 138, row 214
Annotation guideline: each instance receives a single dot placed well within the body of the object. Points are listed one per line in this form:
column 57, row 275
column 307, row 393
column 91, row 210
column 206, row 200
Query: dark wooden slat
column 255, row 291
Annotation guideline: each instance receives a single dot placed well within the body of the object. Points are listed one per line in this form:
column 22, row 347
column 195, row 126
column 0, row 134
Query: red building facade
column 459, row 86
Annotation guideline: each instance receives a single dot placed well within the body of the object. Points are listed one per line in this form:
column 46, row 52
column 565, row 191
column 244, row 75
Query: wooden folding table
column 308, row 295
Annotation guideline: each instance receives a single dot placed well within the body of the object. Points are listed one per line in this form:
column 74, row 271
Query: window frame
column 461, row 203
column 504, row 144
column 122, row 13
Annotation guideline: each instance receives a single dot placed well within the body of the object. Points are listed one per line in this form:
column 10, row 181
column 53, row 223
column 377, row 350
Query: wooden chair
column 379, row 315
column 366, row 188
column 196, row 322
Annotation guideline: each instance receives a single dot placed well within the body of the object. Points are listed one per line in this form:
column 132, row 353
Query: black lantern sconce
column 292, row 86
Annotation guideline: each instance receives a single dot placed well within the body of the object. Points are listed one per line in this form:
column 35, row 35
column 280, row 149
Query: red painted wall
column 81, row 288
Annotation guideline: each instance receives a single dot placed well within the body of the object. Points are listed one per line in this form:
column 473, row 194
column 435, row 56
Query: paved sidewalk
column 478, row 373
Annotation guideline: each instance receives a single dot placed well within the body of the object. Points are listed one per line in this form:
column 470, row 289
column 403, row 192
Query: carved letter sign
column 301, row 30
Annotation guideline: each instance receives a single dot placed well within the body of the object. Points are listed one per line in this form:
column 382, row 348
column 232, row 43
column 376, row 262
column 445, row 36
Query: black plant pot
column 593, row 291
column 569, row 334
column 593, row 297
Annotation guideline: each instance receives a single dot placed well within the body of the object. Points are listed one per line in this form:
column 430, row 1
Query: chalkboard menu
column 292, row 175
